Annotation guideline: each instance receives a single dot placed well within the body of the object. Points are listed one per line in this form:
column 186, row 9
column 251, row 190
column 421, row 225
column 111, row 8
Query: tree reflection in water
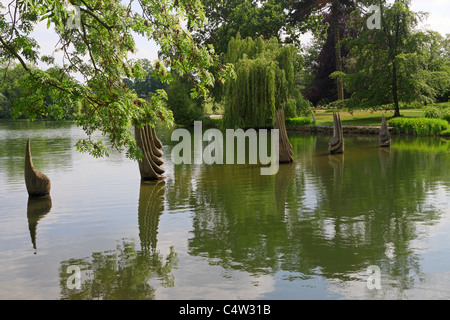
column 318, row 217
column 324, row 217
column 124, row 273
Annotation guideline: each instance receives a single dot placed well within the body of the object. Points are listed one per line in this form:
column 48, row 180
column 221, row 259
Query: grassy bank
column 357, row 119
column 373, row 119
column 362, row 118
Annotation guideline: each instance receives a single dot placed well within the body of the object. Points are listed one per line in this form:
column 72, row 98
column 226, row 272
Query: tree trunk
column 395, row 90
column 394, row 67
column 285, row 151
column 335, row 17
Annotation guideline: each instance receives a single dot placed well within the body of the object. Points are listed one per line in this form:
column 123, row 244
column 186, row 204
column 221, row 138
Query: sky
column 438, row 20
column 439, row 10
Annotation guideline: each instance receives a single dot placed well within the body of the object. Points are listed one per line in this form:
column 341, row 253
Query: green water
column 226, row 231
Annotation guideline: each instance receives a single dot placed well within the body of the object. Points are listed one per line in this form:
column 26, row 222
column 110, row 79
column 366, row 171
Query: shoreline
column 315, row 129
column 363, row 130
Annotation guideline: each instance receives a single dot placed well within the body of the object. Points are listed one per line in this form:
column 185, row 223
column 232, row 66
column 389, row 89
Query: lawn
column 358, row 118
column 362, row 118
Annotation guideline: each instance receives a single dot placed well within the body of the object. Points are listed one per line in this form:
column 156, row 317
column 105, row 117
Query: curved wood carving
column 37, row 183
column 286, row 154
column 156, row 140
column 150, row 165
column 336, row 144
column 384, row 137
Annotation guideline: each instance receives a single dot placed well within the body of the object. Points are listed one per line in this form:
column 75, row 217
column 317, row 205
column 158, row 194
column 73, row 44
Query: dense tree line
column 397, row 62
column 15, row 93
column 347, row 62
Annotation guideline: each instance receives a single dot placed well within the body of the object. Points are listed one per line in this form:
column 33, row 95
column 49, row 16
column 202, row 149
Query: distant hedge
column 419, row 126
column 300, row 121
column 442, row 111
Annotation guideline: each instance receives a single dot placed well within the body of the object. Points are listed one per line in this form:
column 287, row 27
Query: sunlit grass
column 362, row 118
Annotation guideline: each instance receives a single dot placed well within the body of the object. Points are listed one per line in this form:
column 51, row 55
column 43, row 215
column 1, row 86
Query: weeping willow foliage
column 264, row 82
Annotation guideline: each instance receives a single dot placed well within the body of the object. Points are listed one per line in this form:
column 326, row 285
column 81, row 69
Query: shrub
column 433, row 112
column 212, row 122
column 441, row 110
column 290, row 109
column 300, row 121
column 446, row 115
column 185, row 109
column 419, row 126
column 5, row 106
column 303, row 106
column 338, row 104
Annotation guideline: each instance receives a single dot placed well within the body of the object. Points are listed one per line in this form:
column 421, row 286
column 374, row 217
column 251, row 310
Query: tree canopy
column 265, row 78
column 95, row 38
column 396, row 63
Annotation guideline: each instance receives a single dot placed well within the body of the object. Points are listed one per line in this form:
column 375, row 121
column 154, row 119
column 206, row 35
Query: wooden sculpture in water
column 336, row 144
column 37, row 183
column 285, row 153
column 150, row 165
column 384, row 137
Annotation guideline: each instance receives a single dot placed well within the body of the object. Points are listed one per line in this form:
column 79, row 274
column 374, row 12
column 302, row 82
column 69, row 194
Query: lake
column 315, row 230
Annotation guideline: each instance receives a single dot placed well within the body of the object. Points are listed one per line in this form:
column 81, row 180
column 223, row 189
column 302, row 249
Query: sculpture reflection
column 151, row 206
column 384, row 154
column 124, row 273
column 282, row 180
column 37, row 208
column 337, row 163
column 329, row 224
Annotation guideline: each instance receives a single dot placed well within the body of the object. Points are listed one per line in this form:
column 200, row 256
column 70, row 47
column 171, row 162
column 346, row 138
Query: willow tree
column 96, row 39
column 264, row 82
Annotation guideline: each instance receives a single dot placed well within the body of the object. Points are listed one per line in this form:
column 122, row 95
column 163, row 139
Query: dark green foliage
column 249, row 18
column 397, row 63
column 21, row 97
column 148, row 85
column 5, row 107
column 440, row 111
column 96, row 53
column 208, row 122
column 185, row 109
column 433, row 112
column 303, row 106
column 446, row 115
column 264, row 82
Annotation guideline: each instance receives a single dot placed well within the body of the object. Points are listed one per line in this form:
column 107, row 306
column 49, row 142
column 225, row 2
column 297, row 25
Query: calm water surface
column 225, row 231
